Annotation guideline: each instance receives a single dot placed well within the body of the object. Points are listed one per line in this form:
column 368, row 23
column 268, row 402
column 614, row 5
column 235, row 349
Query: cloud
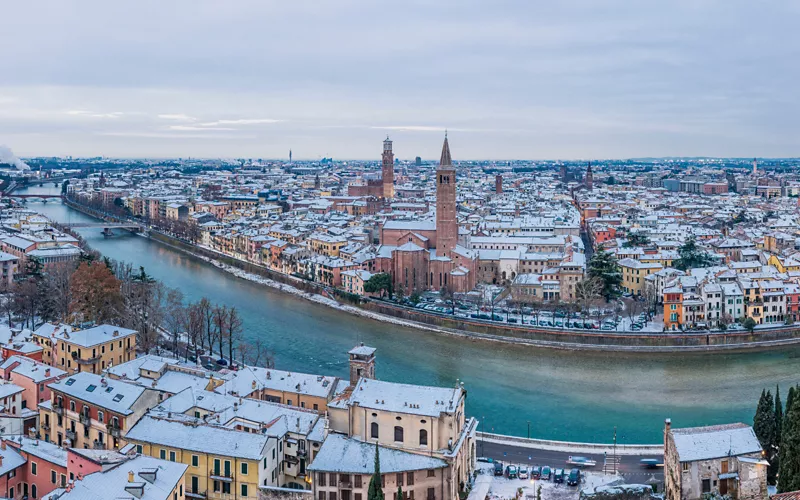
column 191, row 127
column 243, row 121
column 177, row 117
column 421, row 128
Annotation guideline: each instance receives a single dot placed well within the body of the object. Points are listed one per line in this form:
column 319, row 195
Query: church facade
column 427, row 255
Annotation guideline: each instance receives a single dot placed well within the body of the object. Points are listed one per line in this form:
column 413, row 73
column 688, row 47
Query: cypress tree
column 399, row 495
column 778, row 415
column 375, row 491
column 764, row 427
column 775, row 462
column 789, row 455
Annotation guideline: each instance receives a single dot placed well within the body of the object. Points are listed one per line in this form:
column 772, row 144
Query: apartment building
column 93, row 412
column 90, row 350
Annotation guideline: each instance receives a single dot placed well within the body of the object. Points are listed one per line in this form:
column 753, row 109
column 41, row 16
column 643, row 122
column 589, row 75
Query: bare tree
column 233, row 331
column 176, row 316
column 194, row 327
column 587, row 293
column 25, row 304
column 220, row 320
column 7, row 306
column 260, row 351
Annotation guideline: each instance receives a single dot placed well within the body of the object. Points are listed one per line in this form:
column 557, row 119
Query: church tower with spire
column 588, row 179
column 387, row 169
column 446, row 223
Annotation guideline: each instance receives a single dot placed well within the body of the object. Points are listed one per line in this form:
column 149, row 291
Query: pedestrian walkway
column 481, row 487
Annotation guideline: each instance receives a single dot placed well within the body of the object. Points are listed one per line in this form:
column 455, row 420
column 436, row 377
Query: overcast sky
column 527, row 79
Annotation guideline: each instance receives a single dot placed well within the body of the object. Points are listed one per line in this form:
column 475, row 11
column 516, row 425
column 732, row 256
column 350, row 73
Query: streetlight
column 615, row 450
column 529, row 429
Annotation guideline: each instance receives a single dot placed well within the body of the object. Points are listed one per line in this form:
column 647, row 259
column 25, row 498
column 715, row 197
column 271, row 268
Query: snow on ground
column 502, row 488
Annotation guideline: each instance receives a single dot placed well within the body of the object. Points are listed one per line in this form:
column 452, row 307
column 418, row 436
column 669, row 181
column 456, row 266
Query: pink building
column 44, row 469
column 33, row 376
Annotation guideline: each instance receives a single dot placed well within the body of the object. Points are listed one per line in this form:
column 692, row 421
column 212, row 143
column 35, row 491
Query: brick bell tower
column 446, row 223
column 387, row 169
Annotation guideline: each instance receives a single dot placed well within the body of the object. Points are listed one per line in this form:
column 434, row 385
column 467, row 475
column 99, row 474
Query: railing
column 88, row 361
column 71, row 436
column 85, row 419
column 59, row 410
column 113, row 430
column 99, row 446
column 302, row 453
column 220, row 474
column 198, row 494
column 345, row 485
column 45, row 427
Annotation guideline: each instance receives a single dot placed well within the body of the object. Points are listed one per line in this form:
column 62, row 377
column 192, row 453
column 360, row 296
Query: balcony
column 85, row 419
column 88, row 361
column 71, row 436
column 345, row 485
column 302, row 453
column 59, row 410
column 198, row 495
column 45, row 427
column 99, row 445
column 220, row 475
column 113, row 430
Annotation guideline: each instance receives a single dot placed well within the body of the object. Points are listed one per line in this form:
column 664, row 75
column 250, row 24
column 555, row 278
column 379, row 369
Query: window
column 68, row 382
column 34, row 491
column 100, row 416
column 139, row 449
column 244, row 490
column 410, row 479
column 423, row 437
column 163, row 454
column 431, row 494
column 399, row 479
column 332, row 495
column 118, row 398
column 322, row 495
column 321, row 478
column 172, row 456
column 357, row 496
column 685, row 466
column 91, row 388
column 226, row 488
column 706, row 485
column 195, row 461
column 53, row 476
column 244, row 469
column 431, row 472
column 373, row 430
column 398, row 434
column 72, row 405
column 33, row 468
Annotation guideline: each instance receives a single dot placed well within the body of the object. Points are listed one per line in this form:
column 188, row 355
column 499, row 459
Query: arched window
column 373, row 430
column 423, row 437
column 398, row 434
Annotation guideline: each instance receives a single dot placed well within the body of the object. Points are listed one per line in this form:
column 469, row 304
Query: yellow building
column 223, row 464
column 634, row 272
column 326, row 244
column 91, row 350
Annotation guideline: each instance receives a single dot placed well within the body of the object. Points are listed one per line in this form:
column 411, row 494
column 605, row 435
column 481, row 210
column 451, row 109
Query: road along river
column 574, row 396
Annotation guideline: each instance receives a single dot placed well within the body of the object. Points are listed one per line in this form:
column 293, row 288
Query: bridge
column 43, row 196
column 103, row 225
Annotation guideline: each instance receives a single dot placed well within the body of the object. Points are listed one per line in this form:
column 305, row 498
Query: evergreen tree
column 603, row 266
column 789, row 456
column 399, row 495
column 691, row 256
column 778, row 415
column 375, row 491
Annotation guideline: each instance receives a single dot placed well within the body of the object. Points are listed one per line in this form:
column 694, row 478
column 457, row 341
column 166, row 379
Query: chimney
column 2, row 444
column 130, row 476
column 47, row 372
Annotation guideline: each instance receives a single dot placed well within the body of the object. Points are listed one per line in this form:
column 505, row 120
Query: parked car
column 545, row 473
column 536, row 472
column 498, row 468
column 574, row 477
column 511, row 471
column 523, row 472
column 558, row 476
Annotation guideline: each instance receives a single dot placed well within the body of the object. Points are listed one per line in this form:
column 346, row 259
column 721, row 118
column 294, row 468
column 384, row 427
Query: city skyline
column 568, row 81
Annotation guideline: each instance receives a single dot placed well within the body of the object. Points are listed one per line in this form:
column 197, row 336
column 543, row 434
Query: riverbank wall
column 656, row 450
column 565, row 339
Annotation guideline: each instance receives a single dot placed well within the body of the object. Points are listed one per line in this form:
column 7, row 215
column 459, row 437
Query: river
column 564, row 395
